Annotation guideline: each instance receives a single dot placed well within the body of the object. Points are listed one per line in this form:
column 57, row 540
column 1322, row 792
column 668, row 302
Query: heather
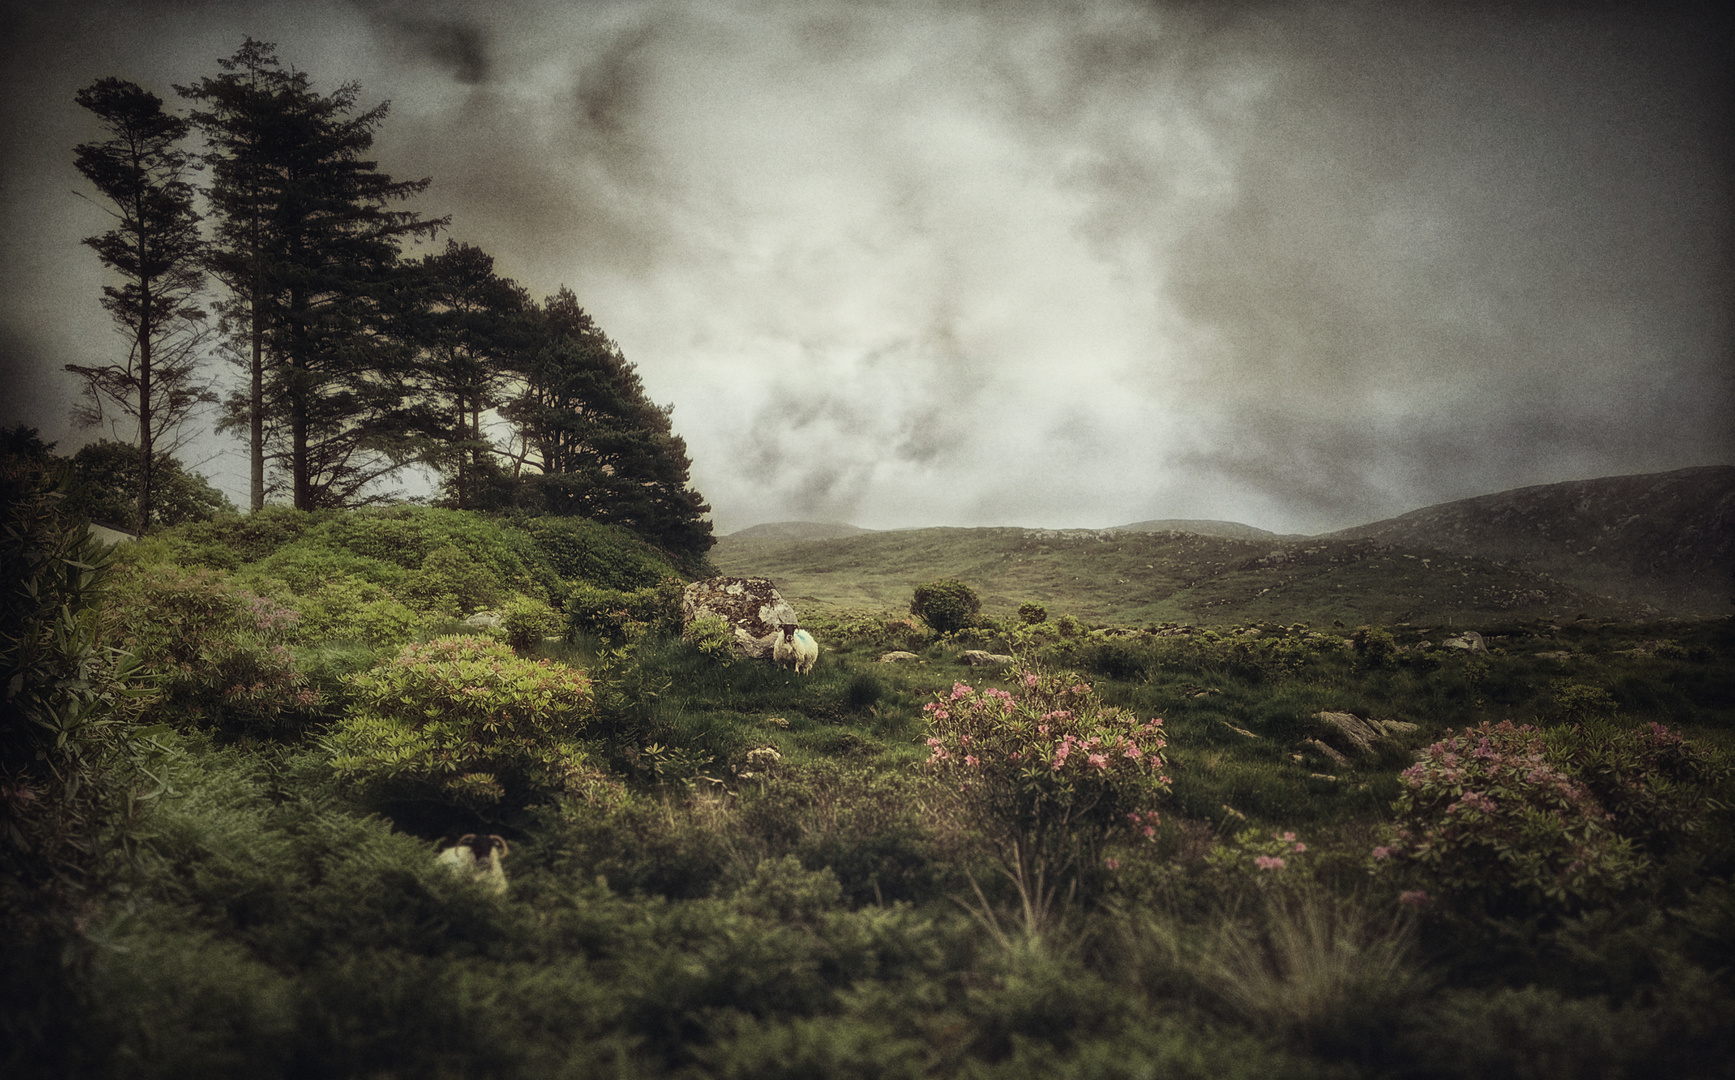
column 234, row 749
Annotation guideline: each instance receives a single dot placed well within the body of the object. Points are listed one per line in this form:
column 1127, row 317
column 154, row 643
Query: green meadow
column 239, row 746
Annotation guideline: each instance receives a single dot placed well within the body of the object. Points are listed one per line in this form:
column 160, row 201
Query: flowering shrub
column 1655, row 785
column 466, row 720
column 1263, row 858
column 1488, row 819
column 220, row 653
column 355, row 609
column 1046, row 773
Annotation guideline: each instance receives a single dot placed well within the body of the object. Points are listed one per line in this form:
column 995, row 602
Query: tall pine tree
column 475, row 325
column 600, row 447
column 142, row 173
column 309, row 245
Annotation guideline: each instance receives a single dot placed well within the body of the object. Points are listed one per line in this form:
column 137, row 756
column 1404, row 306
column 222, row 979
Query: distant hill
column 798, row 530
column 1129, row 577
column 1229, row 530
column 1662, row 539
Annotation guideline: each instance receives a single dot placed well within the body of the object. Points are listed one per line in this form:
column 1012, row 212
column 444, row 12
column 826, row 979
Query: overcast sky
column 1300, row 265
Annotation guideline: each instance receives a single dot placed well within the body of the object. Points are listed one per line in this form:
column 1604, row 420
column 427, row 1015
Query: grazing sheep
column 478, row 858
column 796, row 649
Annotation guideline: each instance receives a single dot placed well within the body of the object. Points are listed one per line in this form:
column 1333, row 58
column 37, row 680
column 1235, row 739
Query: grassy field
column 735, row 871
column 1125, row 577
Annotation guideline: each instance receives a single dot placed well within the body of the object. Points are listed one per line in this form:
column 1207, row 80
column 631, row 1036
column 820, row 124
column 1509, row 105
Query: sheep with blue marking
column 795, row 650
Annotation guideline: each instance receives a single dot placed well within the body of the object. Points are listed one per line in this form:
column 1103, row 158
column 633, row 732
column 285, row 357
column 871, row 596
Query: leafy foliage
column 464, row 720
column 1047, row 773
column 1488, row 820
column 220, row 654
column 945, row 605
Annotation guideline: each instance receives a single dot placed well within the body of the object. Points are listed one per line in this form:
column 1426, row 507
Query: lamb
column 478, row 858
column 796, row 649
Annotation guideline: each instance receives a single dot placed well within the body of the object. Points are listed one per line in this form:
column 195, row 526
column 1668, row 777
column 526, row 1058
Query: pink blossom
column 1112, row 863
column 1288, row 837
column 1416, row 898
column 970, row 760
column 1149, row 830
column 1029, row 680
column 1097, row 761
column 1134, row 752
column 1268, row 862
column 1382, row 852
column 1299, row 848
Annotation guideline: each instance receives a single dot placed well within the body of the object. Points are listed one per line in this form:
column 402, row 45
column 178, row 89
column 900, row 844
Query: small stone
column 897, row 656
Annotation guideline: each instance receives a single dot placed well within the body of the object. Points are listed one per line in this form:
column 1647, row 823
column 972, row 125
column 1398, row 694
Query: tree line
column 357, row 360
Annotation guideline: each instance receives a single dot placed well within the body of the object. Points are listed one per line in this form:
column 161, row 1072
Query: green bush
column 1047, row 774
column 525, row 620
column 464, row 720
column 219, row 653
column 711, row 635
column 605, row 556
column 1031, row 614
column 947, row 605
column 449, row 582
column 355, row 609
column 1489, row 823
column 606, row 613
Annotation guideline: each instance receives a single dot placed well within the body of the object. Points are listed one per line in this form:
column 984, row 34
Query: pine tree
column 309, row 245
column 141, row 170
column 475, row 323
column 603, row 450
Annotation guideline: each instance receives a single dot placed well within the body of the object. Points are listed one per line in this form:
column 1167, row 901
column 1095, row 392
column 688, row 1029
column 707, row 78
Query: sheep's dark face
column 788, row 632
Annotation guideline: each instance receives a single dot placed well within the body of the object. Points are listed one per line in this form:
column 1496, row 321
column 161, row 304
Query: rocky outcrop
column 897, row 656
column 979, row 658
column 751, row 607
column 1345, row 736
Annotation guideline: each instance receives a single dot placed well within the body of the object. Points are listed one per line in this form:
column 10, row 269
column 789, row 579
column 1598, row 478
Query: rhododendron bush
column 1046, row 774
column 465, row 720
column 1503, row 818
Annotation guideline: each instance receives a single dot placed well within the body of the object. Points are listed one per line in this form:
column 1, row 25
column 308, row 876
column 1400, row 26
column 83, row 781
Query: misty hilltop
column 1619, row 547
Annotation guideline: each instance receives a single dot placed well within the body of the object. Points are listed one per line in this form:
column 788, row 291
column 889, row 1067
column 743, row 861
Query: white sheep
column 477, row 858
column 796, row 649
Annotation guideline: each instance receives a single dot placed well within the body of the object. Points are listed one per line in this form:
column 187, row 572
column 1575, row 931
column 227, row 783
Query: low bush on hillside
column 219, row 655
column 464, row 720
column 947, row 606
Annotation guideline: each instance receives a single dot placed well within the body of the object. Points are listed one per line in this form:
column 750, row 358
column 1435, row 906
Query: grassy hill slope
column 1112, row 576
column 1664, row 539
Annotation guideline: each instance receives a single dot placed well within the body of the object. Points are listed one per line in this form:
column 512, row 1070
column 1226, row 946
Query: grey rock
column 1322, row 749
column 897, row 656
column 752, row 608
column 484, row 620
column 1358, row 736
column 1469, row 640
column 979, row 658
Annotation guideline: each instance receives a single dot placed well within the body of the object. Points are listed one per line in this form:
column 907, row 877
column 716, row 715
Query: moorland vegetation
column 233, row 749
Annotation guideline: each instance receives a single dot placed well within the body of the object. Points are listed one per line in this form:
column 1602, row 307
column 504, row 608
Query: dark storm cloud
column 1065, row 264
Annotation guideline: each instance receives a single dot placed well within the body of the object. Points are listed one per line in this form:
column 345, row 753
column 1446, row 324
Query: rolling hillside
column 1663, row 539
column 1624, row 547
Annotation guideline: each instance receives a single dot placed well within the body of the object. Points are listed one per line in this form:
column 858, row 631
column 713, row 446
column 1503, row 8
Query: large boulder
column 751, row 606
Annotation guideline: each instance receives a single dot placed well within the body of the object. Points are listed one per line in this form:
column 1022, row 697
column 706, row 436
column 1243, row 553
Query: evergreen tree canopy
column 604, row 450
column 308, row 242
column 155, row 249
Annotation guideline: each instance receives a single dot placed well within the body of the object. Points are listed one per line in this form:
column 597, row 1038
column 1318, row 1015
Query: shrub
column 354, row 609
column 947, row 605
column 466, row 721
column 1487, row 820
column 1654, row 784
column 710, row 634
column 220, row 653
column 606, row 613
column 606, row 556
column 1031, row 614
column 1047, row 774
column 1374, row 648
column 450, row 582
column 526, row 620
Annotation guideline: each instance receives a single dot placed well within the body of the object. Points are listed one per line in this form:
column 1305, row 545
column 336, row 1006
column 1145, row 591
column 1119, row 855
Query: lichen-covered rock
column 897, row 656
column 751, row 607
column 980, row 658
column 1352, row 733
